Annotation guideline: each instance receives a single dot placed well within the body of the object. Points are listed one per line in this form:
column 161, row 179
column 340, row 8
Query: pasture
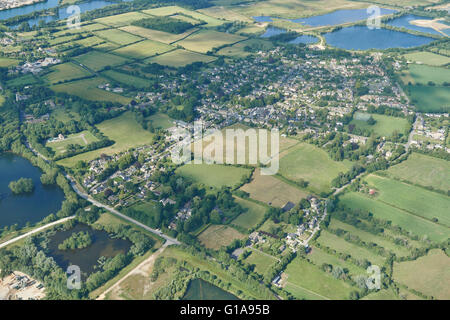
column 8, row 62
column 205, row 41
column 429, row 58
column 218, row 236
column 156, row 35
column 416, row 225
column 311, row 164
column 117, row 36
column 415, row 200
column 253, row 215
column 180, row 58
column 213, row 175
column 384, row 126
column 65, row 72
column 429, row 274
column 430, row 98
column 82, row 138
column 124, row 130
column 238, row 50
column 304, row 277
column 273, row 191
column 423, row 170
column 422, row 74
column 88, row 89
column 319, row 257
column 123, row 19
column 143, row 49
column 160, row 121
column 261, row 261
column 127, row 79
column 172, row 10
column 96, row 60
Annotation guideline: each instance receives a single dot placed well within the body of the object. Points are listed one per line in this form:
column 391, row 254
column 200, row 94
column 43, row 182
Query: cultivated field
column 143, row 49
column 117, row 36
column 273, row 191
column 65, row 72
column 87, row 89
column 206, row 40
column 311, row 164
column 217, row 236
column 423, row 170
column 429, row 274
column 157, row 35
column 384, row 126
column 180, row 58
column 254, row 214
column 428, row 58
column 97, row 61
column 213, row 175
column 124, row 130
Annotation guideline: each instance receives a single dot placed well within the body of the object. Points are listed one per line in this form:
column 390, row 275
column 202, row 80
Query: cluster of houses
column 429, row 137
column 107, row 87
column 37, row 66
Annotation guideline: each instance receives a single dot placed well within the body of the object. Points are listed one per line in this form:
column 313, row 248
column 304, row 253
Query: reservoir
column 405, row 22
column 24, row 208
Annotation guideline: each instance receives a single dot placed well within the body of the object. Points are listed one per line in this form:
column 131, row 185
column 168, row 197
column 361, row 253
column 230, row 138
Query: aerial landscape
column 231, row 150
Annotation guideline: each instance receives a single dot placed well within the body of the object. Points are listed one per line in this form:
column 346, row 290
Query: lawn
column 253, row 215
column 311, row 164
column 384, row 125
column 339, row 244
column 96, row 60
column 117, row 36
column 206, row 40
column 411, row 223
column 306, row 277
column 430, row 98
column 261, row 261
column 180, row 58
column 65, row 72
column 124, row 130
column 143, row 49
column 157, row 35
column 416, row 200
column 273, row 191
column 213, row 175
column 217, row 236
column 122, row 19
column 127, row 79
column 82, row 138
column 423, row 170
column 428, row 58
column 429, row 274
column 87, row 89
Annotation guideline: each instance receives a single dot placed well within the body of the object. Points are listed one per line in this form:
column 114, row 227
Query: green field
column 157, row 35
column 8, row 62
column 199, row 289
column 339, row 244
column 384, row 126
column 117, row 36
column 306, row 277
column 96, row 60
column 124, row 130
column 127, row 79
column 415, row 200
column 82, row 138
column 253, row 215
column 422, row 74
column 319, row 257
column 206, row 40
column 65, row 72
column 384, row 294
column 428, row 58
column 106, row 46
column 160, row 121
column 218, row 236
column 87, row 89
column 172, row 10
column 261, row 261
column 411, row 223
column 312, row 164
column 89, row 42
column 180, row 58
column 238, row 50
column 429, row 274
column 22, row 81
column 430, row 98
column 143, row 49
column 423, row 170
column 213, row 175
column 122, row 19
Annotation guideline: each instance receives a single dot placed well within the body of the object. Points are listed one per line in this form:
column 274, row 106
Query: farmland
column 311, row 164
column 124, row 130
column 204, row 41
column 64, row 72
column 117, row 36
column 430, row 98
column 143, row 49
column 384, row 125
column 160, row 121
column 8, row 62
column 217, row 236
column 238, row 50
column 157, row 35
column 180, row 58
column 422, row 74
column 172, row 10
column 423, row 170
column 429, row 274
column 273, row 191
column 250, row 218
column 121, row 19
column 213, row 175
column 428, row 58
column 97, row 61
column 127, row 79
column 261, row 261
column 319, row 257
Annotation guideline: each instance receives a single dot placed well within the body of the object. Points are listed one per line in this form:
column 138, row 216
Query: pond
column 306, row 39
column 363, row 38
column 24, row 208
column 404, row 22
column 86, row 258
column 330, row 19
column 272, row 31
column 199, row 289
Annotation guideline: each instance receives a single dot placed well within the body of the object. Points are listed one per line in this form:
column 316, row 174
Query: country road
column 7, row 243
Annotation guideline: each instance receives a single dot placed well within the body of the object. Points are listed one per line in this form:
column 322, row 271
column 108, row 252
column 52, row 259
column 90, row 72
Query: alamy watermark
column 236, row 146
column 74, row 277
column 74, row 19
column 374, row 19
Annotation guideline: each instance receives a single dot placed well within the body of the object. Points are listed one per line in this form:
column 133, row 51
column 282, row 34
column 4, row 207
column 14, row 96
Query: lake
column 362, row 38
column 86, row 258
column 330, row 19
column 306, row 39
column 199, row 289
column 404, row 22
column 272, row 31
column 25, row 207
